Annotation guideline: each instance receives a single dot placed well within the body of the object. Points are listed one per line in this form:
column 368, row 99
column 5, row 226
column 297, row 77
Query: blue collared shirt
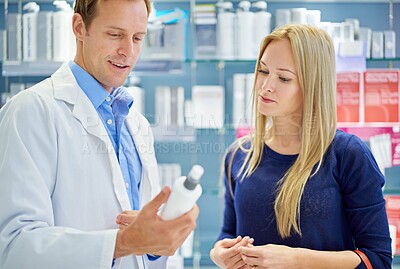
column 113, row 109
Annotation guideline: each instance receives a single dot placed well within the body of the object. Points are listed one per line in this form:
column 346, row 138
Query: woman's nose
column 268, row 85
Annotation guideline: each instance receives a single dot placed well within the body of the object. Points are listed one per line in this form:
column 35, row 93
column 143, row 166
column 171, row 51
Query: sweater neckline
column 270, row 153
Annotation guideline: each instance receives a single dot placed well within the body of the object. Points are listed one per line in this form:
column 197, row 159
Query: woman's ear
column 78, row 26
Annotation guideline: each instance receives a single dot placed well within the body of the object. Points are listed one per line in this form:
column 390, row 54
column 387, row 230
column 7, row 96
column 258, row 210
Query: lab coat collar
column 66, row 89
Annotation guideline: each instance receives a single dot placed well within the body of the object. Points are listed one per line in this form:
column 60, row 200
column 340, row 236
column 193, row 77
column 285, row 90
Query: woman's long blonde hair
column 314, row 58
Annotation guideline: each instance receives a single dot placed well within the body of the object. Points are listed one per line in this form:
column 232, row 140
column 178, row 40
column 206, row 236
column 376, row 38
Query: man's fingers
column 161, row 198
column 125, row 219
column 131, row 212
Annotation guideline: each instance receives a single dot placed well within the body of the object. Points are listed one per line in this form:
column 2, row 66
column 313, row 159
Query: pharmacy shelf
column 18, row 68
column 46, row 68
column 143, row 67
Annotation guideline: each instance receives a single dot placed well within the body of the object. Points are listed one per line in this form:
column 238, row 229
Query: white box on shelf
column 208, row 106
column 163, row 105
column 377, row 44
column 170, row 106
column 365, row 35
column 390, row 44
column 239, row 100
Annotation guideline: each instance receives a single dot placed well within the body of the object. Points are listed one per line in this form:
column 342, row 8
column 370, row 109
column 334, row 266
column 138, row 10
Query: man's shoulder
column 42, row 88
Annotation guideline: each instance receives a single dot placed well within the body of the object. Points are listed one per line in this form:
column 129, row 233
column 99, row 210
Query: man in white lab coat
column 74, row 154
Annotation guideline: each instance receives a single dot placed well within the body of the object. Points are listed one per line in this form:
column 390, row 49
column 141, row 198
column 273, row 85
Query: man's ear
column 78, row 26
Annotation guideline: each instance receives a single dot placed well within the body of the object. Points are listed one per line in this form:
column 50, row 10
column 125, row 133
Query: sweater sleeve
column 364, row 203
column 229, row 222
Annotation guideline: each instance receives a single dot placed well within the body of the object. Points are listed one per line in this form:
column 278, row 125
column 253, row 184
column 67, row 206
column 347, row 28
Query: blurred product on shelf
column 205, row 27
column 208, row 106
column 30, row 31
column 166, row 36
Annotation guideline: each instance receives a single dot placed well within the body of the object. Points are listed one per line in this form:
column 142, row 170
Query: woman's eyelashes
column 264, row 72
column 281, row 78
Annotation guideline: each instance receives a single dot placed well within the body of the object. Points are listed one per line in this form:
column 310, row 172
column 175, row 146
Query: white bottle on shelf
column 184, row 194
column 29, row 31
column 225, row 31
column 244, row 34
column 14, row 36
column 262, row 25
column 63, row 37
column 44, row 36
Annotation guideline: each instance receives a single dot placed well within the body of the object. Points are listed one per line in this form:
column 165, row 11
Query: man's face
column 110, row 46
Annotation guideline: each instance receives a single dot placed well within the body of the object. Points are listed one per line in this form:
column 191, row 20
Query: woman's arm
column 278, row 256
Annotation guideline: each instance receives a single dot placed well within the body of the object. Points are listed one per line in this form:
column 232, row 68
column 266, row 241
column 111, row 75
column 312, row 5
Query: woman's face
column 277, row 83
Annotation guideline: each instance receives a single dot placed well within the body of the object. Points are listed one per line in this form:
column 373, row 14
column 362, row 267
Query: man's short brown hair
column 87, row 9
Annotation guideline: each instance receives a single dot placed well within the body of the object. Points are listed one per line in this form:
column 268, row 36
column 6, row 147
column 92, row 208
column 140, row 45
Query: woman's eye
column 263, row 72
column 284, row 79
column 113, row 34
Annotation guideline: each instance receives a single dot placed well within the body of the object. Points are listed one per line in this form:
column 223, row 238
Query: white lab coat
column 61, row 186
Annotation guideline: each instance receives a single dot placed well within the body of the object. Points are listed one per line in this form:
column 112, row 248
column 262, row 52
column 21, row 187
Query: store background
column 207, row 146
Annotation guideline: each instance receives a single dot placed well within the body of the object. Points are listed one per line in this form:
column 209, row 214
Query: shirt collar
column 90, row 86
column 122, row 97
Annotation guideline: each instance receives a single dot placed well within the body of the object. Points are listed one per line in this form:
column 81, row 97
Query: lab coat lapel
column 66, row 89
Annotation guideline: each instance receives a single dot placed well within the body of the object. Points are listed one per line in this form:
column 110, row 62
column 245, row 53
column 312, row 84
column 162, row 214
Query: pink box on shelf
column 348, row 93
column 381, row 95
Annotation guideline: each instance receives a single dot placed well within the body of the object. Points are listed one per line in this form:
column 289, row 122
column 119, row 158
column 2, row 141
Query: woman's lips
column 266, row 100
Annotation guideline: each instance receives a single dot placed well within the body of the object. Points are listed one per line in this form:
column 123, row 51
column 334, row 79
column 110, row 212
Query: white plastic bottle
column 29, row 31
column 225, row 31
column 184, row 194
column 44, row 36
column 244, row 34
column 262, row 24
column 63, row 37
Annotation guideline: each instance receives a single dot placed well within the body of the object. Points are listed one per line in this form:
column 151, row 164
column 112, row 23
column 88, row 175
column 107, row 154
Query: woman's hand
column 126, row 217
column 270, row 256
column 226, row 252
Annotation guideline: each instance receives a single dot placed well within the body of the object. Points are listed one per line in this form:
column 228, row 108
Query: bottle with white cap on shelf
column 29, row 31
column 262, row 24
column 184, row 194
column 244, row 33
column 63, row 37
column 225, row 31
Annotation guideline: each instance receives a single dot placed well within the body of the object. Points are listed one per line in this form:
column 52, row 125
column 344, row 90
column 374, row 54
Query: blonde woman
column 302, row 193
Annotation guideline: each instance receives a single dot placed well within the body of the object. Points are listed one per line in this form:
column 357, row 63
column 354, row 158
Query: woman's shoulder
column 238, row 148
column 348, row 142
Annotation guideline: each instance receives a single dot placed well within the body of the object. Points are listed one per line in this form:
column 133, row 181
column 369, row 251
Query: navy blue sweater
column 342, row 207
